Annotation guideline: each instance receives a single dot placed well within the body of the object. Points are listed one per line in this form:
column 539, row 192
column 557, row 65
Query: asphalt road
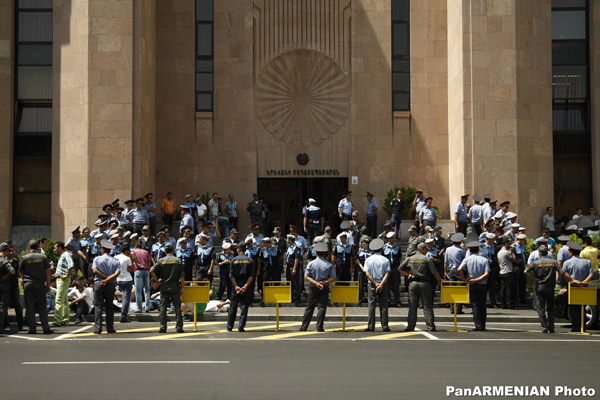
column 259, row 364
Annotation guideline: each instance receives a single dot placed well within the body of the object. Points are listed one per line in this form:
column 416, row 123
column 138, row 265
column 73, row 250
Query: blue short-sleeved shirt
column 475, row 266
column 578, row 268
column 377, row 265
column 346, row 206
column 454, row 257
column 371, row 207
column 139, row 217
column 428, row 214
column 461, row 210
column 319, row 269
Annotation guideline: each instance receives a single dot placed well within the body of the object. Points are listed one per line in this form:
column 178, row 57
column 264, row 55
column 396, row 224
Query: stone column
column 500, row 111
column 93, row 110
column 6, row 114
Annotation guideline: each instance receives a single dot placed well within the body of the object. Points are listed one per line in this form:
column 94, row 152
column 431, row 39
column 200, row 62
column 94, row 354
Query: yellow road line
column 149, row 328
column 391, row 335
column 188, row 334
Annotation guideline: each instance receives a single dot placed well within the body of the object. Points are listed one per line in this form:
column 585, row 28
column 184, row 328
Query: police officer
column 377, row 270
column 437, row 258
column 241, row 274
column 345, row 207
column 186, row 218
column 150, row 208
column 168, row 272
column 6, row 271
column 269, row 261
column 224, row 261
column 391, row 250
column 453, row 258
column 36, row 276
column 419, row 269
column 475, row 269
column 418, row 203
column 363, row 254
column 460, row 215
column 205, row 256
column 543, row 273
column 314, row 222
column 74, row 246
column 372, row 208
column 106, row 270
column 327, row 238
column 186, row 256
column 252, row 251
column 139, row 216
column 343, row 258
column 488, row 250
column 292, row 259
column 319, row 274
column 576, row 270
column 256, row 208
column 475, row 214
column 396, row 207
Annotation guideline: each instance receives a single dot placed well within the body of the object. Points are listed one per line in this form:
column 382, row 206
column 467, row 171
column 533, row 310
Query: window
column 400, row 55
column 204, row 55
column 32, row 179
column 571, row 121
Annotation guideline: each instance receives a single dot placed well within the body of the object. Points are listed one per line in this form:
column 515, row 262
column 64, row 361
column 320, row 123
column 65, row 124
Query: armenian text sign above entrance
column 302, row 172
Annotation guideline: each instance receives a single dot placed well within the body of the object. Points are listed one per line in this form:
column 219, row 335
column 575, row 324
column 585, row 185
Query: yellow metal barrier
column 275, row 292
column 455, row 292
column 583, row 295
column 344, row 292
column 198, row 292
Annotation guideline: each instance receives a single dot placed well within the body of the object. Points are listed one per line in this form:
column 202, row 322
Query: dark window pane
column 35, row 27
column 204, row 82
column 569, row 82
column 34, row 83
column 35, row 120
column 569, row 53
column 571, row 143
column 33, row 175
column 33, row 146
column 572, row 174
column 35, row 54
column 568, row 25
column 204, row 10
column 401, row 65
column 204, row 65
column 401, row 102
column 204, row 101
column 400, row 39
column 204, row 40
column 570, row 117
column 401, row 81
column 400, row 10
column 568, row 3
column 35, row 3
column 32, row 209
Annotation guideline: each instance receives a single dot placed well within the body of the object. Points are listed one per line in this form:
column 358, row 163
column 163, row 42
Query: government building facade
column 107, row 99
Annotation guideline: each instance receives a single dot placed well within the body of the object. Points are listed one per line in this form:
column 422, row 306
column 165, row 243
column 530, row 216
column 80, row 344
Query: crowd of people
column 129, row 262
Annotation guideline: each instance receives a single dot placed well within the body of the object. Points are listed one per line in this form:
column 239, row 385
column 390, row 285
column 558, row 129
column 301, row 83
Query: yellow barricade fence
column 344, row 292
column 198, row 292
column 455, row 292
column 583, row 295
column 276, row 292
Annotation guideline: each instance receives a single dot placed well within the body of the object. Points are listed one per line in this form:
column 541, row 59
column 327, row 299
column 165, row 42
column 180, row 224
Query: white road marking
column 118, row 362
column 66, row 335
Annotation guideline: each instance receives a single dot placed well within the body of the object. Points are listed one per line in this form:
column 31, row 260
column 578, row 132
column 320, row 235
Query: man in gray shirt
column 419, row 269
column 106, row 269
column 377, row 270
column 576, row 270
column 543, row 273
column 506, row 257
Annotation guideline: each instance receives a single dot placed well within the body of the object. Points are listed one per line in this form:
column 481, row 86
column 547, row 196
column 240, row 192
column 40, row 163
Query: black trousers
column 168, row 220
column 297, row 281
column 35, row 301
column 15, row 297
column 103, row 299
column 521, row 283
column 493, row 283
column 394, row 285
column 477, row 227
column 243, row 300
column 343, row 272
column 165, row 300
column 4, row 300
column 313, row 231
column 382, row 298
column 462, row 227
column 372, row 225
column 544, row 302
column 202, row 273
column 507, row 290
column 477, row 292
column 224, row 282
column 318, row 298
column 396, row 221
column 81, row 308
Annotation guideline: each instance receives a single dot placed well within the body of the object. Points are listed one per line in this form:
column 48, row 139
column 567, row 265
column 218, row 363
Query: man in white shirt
column 125, row 281
column 81, row 299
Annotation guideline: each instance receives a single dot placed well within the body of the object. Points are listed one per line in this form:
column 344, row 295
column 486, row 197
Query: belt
column 314, row 221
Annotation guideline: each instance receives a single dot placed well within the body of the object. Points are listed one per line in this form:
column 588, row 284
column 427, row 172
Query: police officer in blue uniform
column 292, row 259
column 343, row 258
column 345, row 207
column 268, row 261
column 106, row 270
column 363, row 254
column 139, row 216
column 475, row 214
column 314, row 222
column 377, row 270
column 241, row 274
column 252, row 251
column 489, row 251
column 576, row 270
column 205, row 256
column 397, row 207
column 460, row 215
column 319, row 274
column 186, row 257
column 150, row 208
column 475, row 269
column 452, row 260
column 224, row 262
column 92, row 251
column 391, row 250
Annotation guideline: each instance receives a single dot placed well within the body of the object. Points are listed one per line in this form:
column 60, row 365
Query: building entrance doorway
column 285, row 199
